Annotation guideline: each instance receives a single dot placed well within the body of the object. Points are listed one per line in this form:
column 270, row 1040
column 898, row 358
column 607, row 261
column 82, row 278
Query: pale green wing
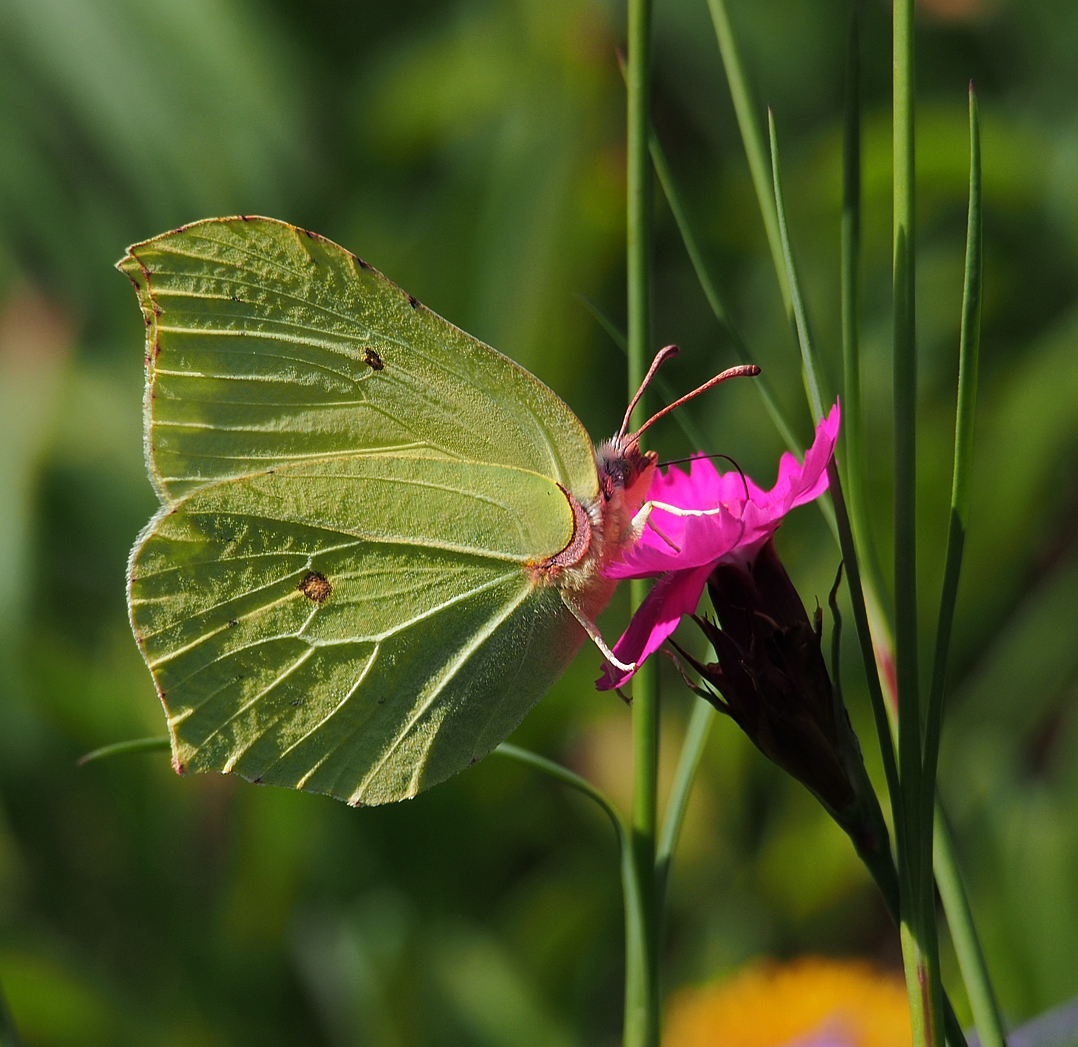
column 336, row 594
column 260, row 344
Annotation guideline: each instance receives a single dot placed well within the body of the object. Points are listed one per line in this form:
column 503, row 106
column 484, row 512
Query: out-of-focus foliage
column 473, row 150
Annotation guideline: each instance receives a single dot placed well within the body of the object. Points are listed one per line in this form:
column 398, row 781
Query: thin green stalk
column 967, row 946
column 771, row 404
column 160, row 743
column 853, row 427
column 642, row 978
column 919, row 946
column 642, row 1010
column 853, row 423
column 707, row 285
column 692, row 749
column 753, row 139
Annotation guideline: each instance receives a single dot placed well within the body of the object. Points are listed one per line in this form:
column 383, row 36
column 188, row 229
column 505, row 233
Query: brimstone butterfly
column 380, row 541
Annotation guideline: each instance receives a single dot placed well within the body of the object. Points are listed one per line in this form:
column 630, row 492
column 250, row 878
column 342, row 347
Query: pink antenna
column 667, row 353
column 741, row 371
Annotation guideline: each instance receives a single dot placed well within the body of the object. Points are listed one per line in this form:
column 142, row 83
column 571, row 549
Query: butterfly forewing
column 270, row 344
column 337, row 593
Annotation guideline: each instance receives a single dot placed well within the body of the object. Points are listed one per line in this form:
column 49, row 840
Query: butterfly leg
column 597, row 638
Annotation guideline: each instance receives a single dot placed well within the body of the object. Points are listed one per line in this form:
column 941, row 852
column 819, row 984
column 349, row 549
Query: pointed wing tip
column 131, row 257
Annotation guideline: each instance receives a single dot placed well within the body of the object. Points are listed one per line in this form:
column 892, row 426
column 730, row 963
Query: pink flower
column 730, row 518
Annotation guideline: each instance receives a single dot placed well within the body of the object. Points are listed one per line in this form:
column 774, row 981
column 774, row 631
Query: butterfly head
column 625, row 474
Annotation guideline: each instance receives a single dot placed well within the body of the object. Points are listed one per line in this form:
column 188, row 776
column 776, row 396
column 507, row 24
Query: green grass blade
column 804, row 333
column 570, row 778
column 753, row 140
column 633, row 896
column 967, row 945
column 868, row 654
column 850, row 269
column 711, row 292
column 968, row 363
column 692, row 749
column 135, row 745
column 800, row 317
column 919, row 947
column 608, row 326
column 852, row 411
column 938, row 847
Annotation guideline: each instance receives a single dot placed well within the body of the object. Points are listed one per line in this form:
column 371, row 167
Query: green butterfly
column 380, row 542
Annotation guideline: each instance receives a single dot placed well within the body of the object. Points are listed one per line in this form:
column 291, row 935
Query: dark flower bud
column 772, row 676
column 772, row 681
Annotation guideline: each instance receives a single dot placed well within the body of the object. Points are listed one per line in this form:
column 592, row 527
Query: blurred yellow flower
column 810, row 1002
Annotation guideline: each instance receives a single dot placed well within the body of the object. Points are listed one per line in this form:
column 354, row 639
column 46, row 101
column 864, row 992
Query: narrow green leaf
column 967, row 945
column 938, row 849
column 868, row 654
column 853, row 429
column 135, row 745
column 570, row 778
column 635, row 904
column 804, row 334
column 692, row 750
column 753, row 140
column 968, row 364
column 711, row 293
column 919, row 945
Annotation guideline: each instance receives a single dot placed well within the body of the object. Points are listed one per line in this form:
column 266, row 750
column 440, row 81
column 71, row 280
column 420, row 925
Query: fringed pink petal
column 672, row 596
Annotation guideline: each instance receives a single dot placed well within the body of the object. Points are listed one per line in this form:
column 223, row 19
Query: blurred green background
column 473, row 150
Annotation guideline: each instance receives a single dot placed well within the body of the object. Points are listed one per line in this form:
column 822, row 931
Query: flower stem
column 641, row 969
column 641, row 973
column 919, row 945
